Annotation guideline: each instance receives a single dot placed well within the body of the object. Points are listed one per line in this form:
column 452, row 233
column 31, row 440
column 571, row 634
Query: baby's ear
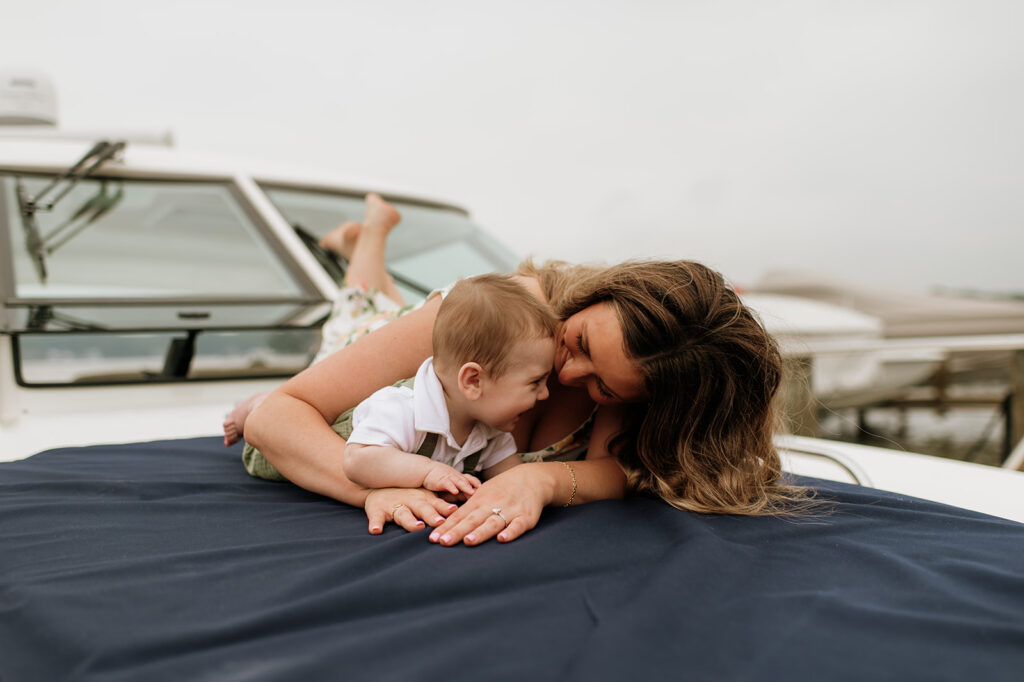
column 471, row 380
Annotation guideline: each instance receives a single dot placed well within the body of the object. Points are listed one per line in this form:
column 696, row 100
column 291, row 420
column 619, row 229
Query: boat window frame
column 8, row 286
column 311, row 305
column 19, row 378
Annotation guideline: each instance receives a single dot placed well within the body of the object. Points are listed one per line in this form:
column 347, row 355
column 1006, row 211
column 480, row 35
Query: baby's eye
column 579, row 343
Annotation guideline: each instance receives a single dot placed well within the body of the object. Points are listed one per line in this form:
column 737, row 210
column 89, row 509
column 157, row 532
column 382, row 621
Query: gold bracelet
column 573, row 474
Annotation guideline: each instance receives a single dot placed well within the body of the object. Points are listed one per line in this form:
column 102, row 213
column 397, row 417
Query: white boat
column 146, row 290
column 902, row 314
column 942, row 324
column 864, row 372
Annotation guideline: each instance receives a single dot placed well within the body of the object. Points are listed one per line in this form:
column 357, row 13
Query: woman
column 661, row 373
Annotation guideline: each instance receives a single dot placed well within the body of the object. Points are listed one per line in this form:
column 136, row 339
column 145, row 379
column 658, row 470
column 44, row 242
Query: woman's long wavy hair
column 703, row 441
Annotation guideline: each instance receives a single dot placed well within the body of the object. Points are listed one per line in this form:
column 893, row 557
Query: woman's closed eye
column 600, row 384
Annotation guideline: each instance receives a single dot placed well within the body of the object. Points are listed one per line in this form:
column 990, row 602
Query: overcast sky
column 878, row 141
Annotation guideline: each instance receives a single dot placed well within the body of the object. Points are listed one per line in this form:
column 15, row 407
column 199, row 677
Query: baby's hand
column 443, row 478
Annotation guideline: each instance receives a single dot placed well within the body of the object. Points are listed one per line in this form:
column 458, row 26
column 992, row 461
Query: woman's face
column 591, row 354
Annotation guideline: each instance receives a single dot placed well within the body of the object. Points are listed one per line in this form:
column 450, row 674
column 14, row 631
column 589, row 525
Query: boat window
column 139, row 281
column 433, row 246
column 140, row 239
column 91, row 358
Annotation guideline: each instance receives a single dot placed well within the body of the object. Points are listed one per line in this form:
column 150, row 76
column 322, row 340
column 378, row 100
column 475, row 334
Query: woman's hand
column 409, row 508
column 519, row 493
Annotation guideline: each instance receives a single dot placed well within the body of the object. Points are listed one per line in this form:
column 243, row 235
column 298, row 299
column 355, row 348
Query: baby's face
column 506, row 398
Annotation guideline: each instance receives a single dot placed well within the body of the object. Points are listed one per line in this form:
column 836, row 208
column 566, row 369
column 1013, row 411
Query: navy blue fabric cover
column 165, row 561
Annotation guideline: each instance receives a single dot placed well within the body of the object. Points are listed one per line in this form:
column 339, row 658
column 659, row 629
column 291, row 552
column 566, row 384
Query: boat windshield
column 433, row 246
column 139, row 239
column 147, row 280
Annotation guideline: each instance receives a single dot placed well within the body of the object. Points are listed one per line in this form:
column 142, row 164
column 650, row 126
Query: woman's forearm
column 296, row 439
column 291, row 428
column 584, row 481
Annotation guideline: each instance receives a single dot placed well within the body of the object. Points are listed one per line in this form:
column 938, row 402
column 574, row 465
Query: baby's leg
column 234, row 423
column 366, row 264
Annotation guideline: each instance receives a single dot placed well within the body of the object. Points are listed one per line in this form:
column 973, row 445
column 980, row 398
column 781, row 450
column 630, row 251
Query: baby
column 493, row 350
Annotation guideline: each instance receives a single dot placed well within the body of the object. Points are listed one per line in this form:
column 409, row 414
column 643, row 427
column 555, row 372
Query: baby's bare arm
column 381, row 466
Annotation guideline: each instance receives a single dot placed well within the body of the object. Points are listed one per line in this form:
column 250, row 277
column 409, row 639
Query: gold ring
column 497, row 510
column 395, row 508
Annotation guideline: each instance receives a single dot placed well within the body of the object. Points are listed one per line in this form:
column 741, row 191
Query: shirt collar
column 429, row 407
column 430, row 411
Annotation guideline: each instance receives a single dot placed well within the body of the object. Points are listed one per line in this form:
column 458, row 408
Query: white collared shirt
column 401, row 417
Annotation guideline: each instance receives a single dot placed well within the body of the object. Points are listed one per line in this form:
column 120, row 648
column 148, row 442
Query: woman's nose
column 575, row 368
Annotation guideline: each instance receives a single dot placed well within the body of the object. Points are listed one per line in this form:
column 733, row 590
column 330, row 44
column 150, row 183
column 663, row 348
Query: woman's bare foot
column 366, row 268
column 380, row 216
column 379, row 213
column 234, row 423
column 342, row 239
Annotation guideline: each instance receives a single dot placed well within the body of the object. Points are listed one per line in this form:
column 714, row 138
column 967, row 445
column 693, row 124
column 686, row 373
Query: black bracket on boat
column 38, row 245
column 41, row 317
column 179, row 355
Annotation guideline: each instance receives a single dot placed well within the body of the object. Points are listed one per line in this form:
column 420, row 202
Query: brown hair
column 482, row 318
column 703, row 442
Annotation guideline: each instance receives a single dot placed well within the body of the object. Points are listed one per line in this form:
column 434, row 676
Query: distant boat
column 945, row 322
column 902, row 314
column 865, row 373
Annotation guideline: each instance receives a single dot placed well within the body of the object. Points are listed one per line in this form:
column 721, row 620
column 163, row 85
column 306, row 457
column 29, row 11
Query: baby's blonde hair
column 483, row 317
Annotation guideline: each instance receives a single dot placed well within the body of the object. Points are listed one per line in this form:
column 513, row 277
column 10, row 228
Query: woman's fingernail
column 470, row 538
column 439, row 519
column 434, row 536
column 502, row 537
column 375, row 529
column 419, row 524
column 445, row 539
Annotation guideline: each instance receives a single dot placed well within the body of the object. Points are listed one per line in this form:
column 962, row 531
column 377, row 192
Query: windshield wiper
column 94, row 207
column 29, row 205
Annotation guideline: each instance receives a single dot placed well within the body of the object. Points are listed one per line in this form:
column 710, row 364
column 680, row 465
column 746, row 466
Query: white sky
column 878, row 141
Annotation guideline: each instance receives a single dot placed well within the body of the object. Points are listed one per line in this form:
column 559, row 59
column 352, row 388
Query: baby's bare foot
column 234, row 423
column 380, row 213
column 342, row 239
